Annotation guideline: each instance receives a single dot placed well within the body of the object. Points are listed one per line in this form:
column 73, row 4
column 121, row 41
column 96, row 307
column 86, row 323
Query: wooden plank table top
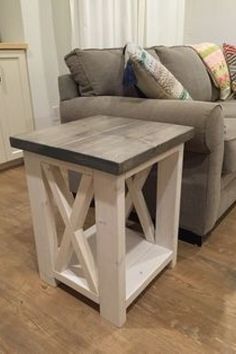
column 110, row 144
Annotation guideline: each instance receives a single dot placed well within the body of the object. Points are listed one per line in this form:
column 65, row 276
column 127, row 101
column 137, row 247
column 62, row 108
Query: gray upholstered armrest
column 206, row 118
column 67, row 87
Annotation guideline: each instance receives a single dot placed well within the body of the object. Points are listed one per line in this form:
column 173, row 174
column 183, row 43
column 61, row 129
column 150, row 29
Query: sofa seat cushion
column 184, row 63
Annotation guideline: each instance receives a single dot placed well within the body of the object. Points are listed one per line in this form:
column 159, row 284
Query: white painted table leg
column 110, row 221
column 43, row 224
column 168, row 201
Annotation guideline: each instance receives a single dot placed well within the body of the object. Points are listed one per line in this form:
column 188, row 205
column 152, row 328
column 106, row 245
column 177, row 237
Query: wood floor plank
column 190, row 309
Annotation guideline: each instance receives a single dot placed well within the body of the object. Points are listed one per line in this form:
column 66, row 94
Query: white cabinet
column 15, row 101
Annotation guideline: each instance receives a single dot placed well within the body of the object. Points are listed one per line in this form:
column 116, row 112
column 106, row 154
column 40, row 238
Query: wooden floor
column 191, row 309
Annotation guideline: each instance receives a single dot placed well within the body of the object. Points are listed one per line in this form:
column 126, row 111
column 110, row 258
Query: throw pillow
column 152, row 77
column 230, row 56
column 213, row 57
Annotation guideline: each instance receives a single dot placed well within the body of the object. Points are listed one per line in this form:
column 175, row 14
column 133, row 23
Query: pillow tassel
column 129, row 78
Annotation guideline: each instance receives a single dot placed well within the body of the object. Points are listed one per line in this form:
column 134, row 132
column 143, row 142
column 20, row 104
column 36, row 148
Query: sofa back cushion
column 187, row 67
column 99, row 72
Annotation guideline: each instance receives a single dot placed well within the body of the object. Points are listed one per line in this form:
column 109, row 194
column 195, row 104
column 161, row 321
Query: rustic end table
column 108, row 263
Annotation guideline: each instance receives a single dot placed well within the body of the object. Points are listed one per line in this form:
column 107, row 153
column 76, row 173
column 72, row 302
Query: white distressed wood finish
column 46, row 183
column 139, row 180
column 81, row 206
column 49, row 213
column 79, row 284
column 168, row 201
column 144, row 261
column 74, row 219
column 114, row 269
column 16, row 111
column 66, row 165
column 141, row 209
column 110, row 222
column 38, row 199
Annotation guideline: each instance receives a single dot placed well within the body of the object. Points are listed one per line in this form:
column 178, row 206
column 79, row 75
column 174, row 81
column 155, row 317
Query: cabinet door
column 16, row 117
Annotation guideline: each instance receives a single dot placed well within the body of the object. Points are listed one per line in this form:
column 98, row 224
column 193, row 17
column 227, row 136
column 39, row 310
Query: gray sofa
column 209, row 174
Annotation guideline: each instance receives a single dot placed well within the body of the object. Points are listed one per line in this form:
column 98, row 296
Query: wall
column 165, row 22
column 210, row 20
column 11, row 27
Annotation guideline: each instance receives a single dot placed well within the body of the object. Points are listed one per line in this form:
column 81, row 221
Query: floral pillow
column 230, row 56
column 151, row 76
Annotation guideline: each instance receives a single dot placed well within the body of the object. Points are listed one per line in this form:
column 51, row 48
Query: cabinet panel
column 15, row 99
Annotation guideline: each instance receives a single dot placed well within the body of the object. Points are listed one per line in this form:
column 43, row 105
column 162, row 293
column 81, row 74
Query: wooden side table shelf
column 108, row 263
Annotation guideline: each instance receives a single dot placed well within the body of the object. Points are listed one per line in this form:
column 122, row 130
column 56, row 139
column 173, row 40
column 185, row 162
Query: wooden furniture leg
column 110, row 221
column 44, row 230
column 168, row 201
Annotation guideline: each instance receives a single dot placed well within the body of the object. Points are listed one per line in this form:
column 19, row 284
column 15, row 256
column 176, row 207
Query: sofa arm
column 68, row 88
column 206, row 118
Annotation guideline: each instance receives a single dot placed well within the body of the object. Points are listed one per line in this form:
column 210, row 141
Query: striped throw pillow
column 230, row 56
column 213, row 58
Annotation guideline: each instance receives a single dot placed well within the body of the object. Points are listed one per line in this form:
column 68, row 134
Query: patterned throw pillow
column 230, row 56
column 213, row 57
column 153, row 78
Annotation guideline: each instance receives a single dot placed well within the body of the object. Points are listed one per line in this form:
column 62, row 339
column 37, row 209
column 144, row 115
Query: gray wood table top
column 111, row 144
